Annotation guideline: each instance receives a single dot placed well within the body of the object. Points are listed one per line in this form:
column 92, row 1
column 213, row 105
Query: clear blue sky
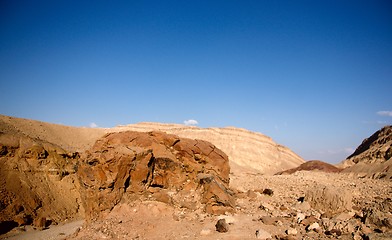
column 313, row 75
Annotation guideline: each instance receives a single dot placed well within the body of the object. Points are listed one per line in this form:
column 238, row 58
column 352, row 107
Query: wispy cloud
column 385, row 113
column 191, row 122
column 349, row 150
column 93, row 125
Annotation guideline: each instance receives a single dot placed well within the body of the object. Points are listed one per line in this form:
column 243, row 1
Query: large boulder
column 135, row 163
column 329, row 200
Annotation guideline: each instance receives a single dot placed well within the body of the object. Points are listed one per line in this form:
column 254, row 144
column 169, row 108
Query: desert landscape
column 171, row 181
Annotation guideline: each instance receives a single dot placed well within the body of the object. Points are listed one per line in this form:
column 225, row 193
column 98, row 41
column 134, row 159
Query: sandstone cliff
column 373, row 157
column 245, row 148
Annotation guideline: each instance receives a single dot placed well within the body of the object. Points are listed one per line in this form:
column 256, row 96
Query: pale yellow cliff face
column 244, row 148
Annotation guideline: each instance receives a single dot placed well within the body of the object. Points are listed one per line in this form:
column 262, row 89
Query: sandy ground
column 270, row 216
column 55, row 232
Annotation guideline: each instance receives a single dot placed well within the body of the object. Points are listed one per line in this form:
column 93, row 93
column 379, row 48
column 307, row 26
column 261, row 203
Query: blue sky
column 313, row 75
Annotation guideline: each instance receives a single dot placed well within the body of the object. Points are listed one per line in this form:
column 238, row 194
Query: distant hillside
column 373, row 157
column 245, row 149
column 313, row 165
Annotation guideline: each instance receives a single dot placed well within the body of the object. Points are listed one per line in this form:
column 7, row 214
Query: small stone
column 309, row 220
column 222, row 226
column 300, row 217
column 267, row 207
column 291, row 231
column 268, row 192
column 229, row 219
column 251, row 194
column 344, row 216
column 262, row 234
column 267, row 220
column 314, row 226
column 365, row 229
column 303, row 206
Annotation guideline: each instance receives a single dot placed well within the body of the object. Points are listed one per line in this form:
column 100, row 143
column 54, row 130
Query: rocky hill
column 313, row 165
column 245, row 149
column 373, row 156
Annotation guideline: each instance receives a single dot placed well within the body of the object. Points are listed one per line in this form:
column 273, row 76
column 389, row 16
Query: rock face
column 373, row 157
column 37, row 181
column 329, row 200
column 136, row 164
column 244, row 148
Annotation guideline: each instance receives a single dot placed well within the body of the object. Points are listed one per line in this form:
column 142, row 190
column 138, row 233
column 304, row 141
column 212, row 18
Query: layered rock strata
column 373, row 157
column 244, row 148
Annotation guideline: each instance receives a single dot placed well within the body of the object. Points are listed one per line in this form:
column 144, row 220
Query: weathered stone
column 329, row 200
column 132, row 162
column 222, row 226
column 262, row 234
column 291, row 231
column 300, row 217
column 36, row 179
column 314, row 226
column 251, row 194
column 378, row 218
column 344, row 216
column 268, row 220
column 266, row 207
column 309, row 220
column 303, row 206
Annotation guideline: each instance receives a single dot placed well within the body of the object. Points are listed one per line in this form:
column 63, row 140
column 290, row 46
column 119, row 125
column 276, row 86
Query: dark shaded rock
column 222, row 226
column 268, row 192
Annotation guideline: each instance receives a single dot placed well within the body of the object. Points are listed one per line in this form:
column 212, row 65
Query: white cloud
column 349, row 150
column 191, row 122
column 385, row 113
column 93, row 125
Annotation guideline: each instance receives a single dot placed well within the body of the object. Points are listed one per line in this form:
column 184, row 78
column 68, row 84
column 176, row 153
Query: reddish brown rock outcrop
column 313, row 165
column 135, row 163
